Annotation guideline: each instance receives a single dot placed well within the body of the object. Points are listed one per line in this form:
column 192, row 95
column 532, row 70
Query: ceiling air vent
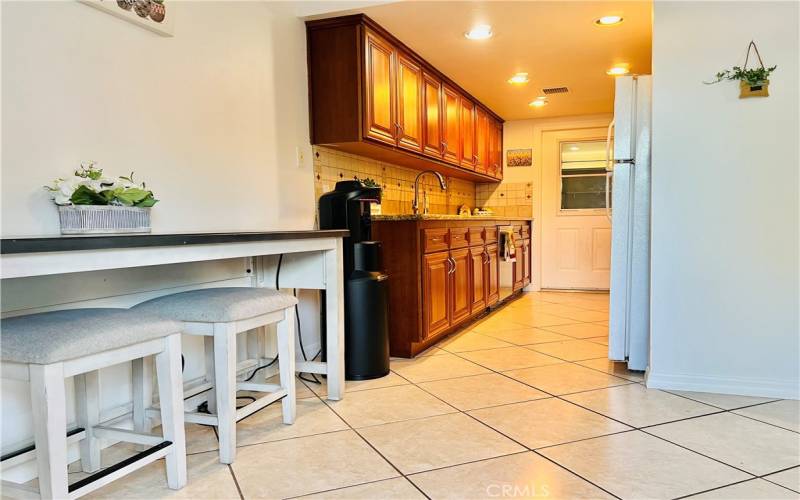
column 555, row 90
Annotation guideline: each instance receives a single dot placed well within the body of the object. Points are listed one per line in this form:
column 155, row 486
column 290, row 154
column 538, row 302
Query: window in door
column 583, row 175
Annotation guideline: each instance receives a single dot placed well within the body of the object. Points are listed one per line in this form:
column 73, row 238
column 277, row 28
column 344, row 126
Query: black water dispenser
column 366, row 328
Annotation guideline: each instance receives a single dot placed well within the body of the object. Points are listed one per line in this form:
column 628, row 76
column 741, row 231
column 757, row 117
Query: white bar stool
column 220, row 314
column 46, row 348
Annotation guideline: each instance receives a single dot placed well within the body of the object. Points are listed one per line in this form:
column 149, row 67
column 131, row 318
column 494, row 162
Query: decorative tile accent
column 512, row 199
column 332, row 166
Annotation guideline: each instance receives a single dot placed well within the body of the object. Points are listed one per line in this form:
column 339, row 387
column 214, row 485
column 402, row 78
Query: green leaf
column 132, row 196
column 84, row 195
column 147, row 202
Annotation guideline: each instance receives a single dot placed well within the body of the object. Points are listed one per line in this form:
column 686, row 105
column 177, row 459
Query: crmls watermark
column 508, row 490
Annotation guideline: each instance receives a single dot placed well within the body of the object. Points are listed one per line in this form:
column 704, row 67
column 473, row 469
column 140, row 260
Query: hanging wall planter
column 753, row 82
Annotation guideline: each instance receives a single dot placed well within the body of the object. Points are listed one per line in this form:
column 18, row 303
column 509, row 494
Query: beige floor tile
column 572, row 350
column 585, row 315
column 199, row 438
column 494, row 325
column 480, row 391
column 580, row 330
column 307, row 465
column 524, row 475
column 431, row 351
column 390, row 404
column 526, row 336
column 638, row 406
column 613, row 368
column 635, row 465
column 755, row 489
column 724, row 401
column 541, row 320
column 313, row 417
column 753, row 446
column 440, row 367
column 425, row 444
column 398, row 488
column 784, row 413
column 604, row 323
column 207, row 479
column 471, row 341
column 510, row 358
column 547, row 422
column 788, row 479
column 598, row 340
column 390, row 380
column 565, row 378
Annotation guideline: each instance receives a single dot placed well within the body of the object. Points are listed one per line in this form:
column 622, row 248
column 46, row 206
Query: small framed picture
column 519, row 157
column 153, row 15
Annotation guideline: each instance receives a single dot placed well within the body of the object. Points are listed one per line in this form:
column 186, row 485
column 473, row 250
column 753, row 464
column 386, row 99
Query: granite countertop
column 407, row 217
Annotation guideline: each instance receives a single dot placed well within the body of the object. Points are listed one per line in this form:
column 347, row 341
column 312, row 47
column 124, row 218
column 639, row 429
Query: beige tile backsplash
column 331, row 166
column 506, row 199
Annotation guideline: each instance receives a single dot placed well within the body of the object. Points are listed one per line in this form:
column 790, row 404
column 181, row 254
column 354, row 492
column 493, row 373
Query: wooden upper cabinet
column 373, row 96
column 436, row 295
column 451, row 125
column 379, row 67
column 460, row 285
column 495, row 165
column 409, row 103
column 481, row 140
column 432, row 116
column 467, row 134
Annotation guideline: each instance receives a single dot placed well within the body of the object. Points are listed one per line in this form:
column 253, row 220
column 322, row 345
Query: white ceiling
column 556, row 43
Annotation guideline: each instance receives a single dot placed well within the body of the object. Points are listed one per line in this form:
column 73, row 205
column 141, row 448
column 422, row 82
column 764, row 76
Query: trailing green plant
column 368, row 182
column 754, row 76
column 88, row 186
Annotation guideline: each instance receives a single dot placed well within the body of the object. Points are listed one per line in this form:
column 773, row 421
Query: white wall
column 209, row 118
column 725, row 202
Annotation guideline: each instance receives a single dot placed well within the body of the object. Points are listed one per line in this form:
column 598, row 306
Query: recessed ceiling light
column 519, row 79
column 574, row 148
column 479, row 32
column 538, row 103
column 608, row 20
column 618, row 70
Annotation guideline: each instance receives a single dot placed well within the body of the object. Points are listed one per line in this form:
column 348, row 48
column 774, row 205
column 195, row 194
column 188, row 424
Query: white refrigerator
column 628, row 187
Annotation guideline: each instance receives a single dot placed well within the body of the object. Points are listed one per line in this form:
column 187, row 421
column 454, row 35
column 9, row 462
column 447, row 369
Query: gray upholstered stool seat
column 63, row 335
column 218, row 305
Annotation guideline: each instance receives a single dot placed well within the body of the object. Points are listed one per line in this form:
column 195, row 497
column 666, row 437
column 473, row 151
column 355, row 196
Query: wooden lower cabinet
column 526, row 262
column 519, row 267
column 479, row 278
column 441, row 275
column 436, row 293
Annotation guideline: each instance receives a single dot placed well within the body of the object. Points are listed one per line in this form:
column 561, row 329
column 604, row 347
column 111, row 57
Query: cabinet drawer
column 458, row 237
column 475, row 236
column 518, row 231
column 526, row 231
column 490, row 234
column 434, row 239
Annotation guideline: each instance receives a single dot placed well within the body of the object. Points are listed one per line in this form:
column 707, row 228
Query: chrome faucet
column 442, row 183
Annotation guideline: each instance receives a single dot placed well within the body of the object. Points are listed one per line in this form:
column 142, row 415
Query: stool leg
column 170, row 394
column 225, row 382
column 286, row 361
column 142, row 377
column 87, row 410
column 50, row 427
column 211, row 403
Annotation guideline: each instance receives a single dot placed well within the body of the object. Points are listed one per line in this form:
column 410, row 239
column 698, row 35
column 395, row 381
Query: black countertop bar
column 65, row 243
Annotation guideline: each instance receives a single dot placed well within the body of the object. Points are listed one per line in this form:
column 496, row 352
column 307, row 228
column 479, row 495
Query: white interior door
column 576, row 233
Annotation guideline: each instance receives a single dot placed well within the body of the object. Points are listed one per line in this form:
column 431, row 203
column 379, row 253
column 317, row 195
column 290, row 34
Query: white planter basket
column 99, row 219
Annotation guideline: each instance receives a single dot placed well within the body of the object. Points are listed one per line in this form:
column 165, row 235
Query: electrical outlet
column 301, row 156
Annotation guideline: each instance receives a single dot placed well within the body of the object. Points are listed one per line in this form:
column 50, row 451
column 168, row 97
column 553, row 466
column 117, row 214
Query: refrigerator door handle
column 609, row 170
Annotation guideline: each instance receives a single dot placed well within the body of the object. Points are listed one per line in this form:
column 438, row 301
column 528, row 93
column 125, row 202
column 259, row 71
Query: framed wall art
column 152, row 15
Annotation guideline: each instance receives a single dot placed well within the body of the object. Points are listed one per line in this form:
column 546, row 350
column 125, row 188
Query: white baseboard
column 741, row 386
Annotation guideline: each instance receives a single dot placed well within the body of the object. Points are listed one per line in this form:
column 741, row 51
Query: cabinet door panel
column 379, row 111
column 467, row 134
column 460, row 281
column 492, row 275
column 526, row 262
column 481, row 140
column 519, row 271
column 451, row 127
column 436, row 269
column 409, row 104
column 433, row 116
column 495, row 162
column 479, row 268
